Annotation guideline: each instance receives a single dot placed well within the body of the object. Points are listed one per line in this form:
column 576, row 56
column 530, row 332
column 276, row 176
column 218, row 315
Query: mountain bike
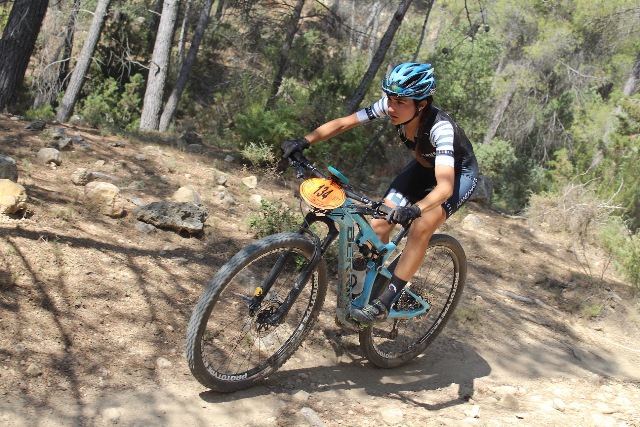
column 264, row 301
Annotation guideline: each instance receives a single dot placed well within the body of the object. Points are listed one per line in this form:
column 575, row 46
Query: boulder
column 81, row 176
column 8, row 168
column 178, row 216
column 484, row 191
column 187, row 195
column 105, row 198
column 13, row 197
column 49, row 155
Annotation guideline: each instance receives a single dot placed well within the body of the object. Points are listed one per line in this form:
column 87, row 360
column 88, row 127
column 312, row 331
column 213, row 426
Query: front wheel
column 439, row 280
column 229, row 344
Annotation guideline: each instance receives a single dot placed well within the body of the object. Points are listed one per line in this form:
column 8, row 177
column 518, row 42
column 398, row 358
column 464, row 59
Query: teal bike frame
column 355, row 234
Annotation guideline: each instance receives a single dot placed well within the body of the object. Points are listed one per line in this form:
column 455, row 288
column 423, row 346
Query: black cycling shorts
column 416, row 181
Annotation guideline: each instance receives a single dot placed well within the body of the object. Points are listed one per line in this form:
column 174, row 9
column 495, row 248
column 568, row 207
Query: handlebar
column 375, row 209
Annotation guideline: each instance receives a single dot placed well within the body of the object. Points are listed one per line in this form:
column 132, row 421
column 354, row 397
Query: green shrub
column 45, row 113
column 514, row 179
column 114, row 106
column 258, row 154
column 625, row 248
column 273, row 218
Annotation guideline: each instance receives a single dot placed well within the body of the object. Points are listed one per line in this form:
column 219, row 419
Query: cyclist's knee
column 427, row 224
column 382, row 228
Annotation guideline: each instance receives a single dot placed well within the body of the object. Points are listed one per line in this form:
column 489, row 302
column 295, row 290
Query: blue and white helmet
column 410, row 80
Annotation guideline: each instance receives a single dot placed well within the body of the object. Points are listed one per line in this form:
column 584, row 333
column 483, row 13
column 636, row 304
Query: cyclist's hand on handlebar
column 291, row 146
column 403, row 214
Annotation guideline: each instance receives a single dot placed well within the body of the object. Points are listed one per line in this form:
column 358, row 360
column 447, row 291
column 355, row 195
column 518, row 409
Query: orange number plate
column 322, row 193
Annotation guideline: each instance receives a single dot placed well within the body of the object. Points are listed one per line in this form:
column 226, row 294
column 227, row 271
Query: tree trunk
column 294, row 24
column 499, row 113
column 185, row 71
column 52, row 83
column 80, row 71
column 150, row 116
column 424, row 29
column 183, row 33
column 16, row 46
column 378, row 58
column 634, row 76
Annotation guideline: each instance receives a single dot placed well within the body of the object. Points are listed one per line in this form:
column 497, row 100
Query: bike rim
column 237, row 345
column 436, row 281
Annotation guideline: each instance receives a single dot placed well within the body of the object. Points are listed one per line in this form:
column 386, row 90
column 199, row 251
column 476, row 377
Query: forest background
column 546, row 90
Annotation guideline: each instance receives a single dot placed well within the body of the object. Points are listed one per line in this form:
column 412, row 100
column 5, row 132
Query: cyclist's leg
column 423, row 228
column 417, row 242
column 401, row 186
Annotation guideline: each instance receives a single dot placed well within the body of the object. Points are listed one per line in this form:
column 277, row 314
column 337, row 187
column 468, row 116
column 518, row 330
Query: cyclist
column 431, row 187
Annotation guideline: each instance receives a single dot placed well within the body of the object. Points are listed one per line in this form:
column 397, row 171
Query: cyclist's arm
column 333, row 128
column 445, row 178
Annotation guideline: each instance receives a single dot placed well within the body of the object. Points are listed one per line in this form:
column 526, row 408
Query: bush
column 113, row 106
column 624, row 247
column 259, row 154
column 513, row 178
column 273, row 219
column 45, row 113
column 575, row 209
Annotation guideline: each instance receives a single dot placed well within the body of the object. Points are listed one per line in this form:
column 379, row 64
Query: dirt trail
column 93, row 316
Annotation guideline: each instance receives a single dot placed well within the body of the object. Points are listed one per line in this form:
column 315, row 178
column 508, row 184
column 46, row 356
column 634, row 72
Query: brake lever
column 298, row 167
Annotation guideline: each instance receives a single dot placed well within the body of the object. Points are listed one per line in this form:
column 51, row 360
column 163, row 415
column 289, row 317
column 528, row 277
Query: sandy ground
column 93, row 314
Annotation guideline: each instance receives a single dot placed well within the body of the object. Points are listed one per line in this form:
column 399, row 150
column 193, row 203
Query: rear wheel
column 230, row 346
column 439, row 280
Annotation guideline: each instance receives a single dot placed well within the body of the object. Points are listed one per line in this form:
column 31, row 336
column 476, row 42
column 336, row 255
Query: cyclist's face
column 401, row 109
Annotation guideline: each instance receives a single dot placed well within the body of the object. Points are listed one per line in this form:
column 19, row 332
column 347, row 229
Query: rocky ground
column 93, row 311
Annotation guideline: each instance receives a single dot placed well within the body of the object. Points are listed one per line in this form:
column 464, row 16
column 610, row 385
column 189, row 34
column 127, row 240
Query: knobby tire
column 440, row 280
column 228, row 347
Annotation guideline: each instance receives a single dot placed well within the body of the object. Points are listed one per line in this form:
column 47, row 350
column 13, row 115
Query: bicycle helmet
column 410, row 80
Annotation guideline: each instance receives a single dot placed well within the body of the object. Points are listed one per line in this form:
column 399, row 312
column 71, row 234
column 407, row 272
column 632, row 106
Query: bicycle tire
column 228, row 349
column 440, row 280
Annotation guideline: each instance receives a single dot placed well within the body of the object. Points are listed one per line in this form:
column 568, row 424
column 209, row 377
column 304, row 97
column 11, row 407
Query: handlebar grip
column 385, row 209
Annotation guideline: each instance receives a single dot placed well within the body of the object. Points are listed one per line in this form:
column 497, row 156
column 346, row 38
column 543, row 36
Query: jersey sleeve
column 376, row 111
column 442, row 137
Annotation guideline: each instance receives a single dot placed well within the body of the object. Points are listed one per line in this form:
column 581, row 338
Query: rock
column 559, row 404
column 36, row 125
column 81, row 176
column 250, row 181
column 49, row 155
column 188, row 138
column 58, row 133
column 229, row 158
column 177, row 216
column 34, row 370
column 76, row 120
column 187, row 195
column 225, row 199
column 105, row 198
column 221, row 179
column 484, row 190
column 509, row 401
column 161, row 362
column 64, row 144
column 471, row 222
column 13, row 197
column 194, row 148
column 8, row 168
column 312, row 417
column 145, row 228
column 301, row 396
column 140, row 157
column 392, row 416
column 111, row 415
column 76, row 138
column 256, row 200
